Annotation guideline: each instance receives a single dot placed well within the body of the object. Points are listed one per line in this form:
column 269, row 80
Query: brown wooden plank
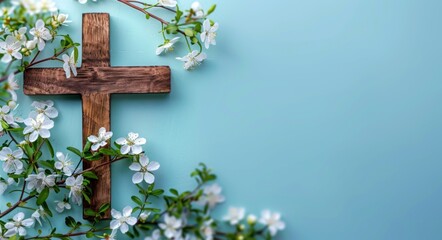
column 96, row 114
column 108, row 80
column 96, row 40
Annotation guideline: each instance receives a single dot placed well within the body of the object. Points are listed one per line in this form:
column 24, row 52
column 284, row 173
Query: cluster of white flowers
column 271, row 220
column 36, row 6
column 39, row 121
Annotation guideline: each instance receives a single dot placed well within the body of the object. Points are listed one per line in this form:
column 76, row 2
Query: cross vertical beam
column 96, row 82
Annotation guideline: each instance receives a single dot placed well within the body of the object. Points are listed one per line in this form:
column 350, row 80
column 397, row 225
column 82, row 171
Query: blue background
column 326, row 111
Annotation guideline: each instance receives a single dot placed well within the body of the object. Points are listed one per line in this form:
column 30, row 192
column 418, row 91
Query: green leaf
column 70, row 222
column 174, row 192
column 104, row 208
column 147, row 16
column 75, row 54
column 89, row 212
column 87, row 146
column 211, row 9
column 90, row 235
column 50, row 148
column 107, row 151
column 90, row 175
column 137, row 200
column 86, row 197
column 75, row 151
column 188, row 32
column 43, row 196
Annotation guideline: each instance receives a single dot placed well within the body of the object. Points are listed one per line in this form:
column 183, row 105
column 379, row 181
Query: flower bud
column 241, row 227
column 144, row 216
column 31, row 44
column 240, row 237
column 62, row 18
column 251, row 219
column 12, row 104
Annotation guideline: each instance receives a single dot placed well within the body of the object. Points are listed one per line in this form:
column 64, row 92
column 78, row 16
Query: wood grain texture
column 95, row 82
column 96, row 114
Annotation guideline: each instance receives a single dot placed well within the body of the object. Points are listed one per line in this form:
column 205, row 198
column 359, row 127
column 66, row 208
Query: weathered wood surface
column 95, row 82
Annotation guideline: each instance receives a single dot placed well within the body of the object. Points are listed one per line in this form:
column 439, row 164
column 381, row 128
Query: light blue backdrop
column 327, row 111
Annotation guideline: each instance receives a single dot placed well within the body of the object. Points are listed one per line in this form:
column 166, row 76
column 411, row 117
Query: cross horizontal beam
column 105, row 80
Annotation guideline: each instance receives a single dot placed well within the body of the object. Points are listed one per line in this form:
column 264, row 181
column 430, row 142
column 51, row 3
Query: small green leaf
column 90, row 175
column 174, row 192
column 75, row 151
column 147, row 16
column 137, row 200
column 211, row 9
column 43, row 196
column 107, row 151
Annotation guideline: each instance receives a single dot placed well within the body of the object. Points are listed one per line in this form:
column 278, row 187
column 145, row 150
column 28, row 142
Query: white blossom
column 20, row 35
column 32, row 7
column 235, row 215
column 207, row 230
column 11, row 86
column 60, row 206
column 211, row 195
column 40, row 181
column 76, row 188
column 84, row 1
column 32, row 44
column 122, row 221
column 272, row 221
column 18, row 225
column 10, row 49
column 100, row 140
column 209, row 33
column 171, row 226
column 64, row 163
column 167, row 3
column 41, row 34
column 251, row 219
column 44, row 107
column 144, row 215
column 12, row 160
column 197, row 9
column 131, row 144
column 156, row 235
column 39, row 126
column 167, row 46
column 192, row 59
column 39, row 213
column 69, row 64
column 144, row 169
column 3, row 187
column 62, row 19
column 47, row 6
column 112, row 236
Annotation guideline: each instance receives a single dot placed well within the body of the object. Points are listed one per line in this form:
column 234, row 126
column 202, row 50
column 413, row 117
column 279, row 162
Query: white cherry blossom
column 167, row 46
column 41, row 34
column 144, row 169
column 64, row 164
column 3, row 187
column 10, row 49
column 20, row 35
column 131, row 144
column 235, row 215
column 32, row 44
column 60, row 206
column 11, row 86
column 76, row 188
column 211, row 195
column 251, row 219
column 197, row 9
column 47, row 6
column 84, row 1
column 40, row 181
column 44, row 107
column 39, row 213
column 69, row 64
column 100, row 140
column 62, row 19
column 171, row 226
column 207, row 230
column 209, row 33
column 39, row 126
column 12, row 160
column 167, row 3
column 121, row 221
column 192, row 59
column 272, row 221
column 156, row 235
column 18, row 225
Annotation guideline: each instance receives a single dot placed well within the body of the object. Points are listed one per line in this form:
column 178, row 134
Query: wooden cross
column 95, row 82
